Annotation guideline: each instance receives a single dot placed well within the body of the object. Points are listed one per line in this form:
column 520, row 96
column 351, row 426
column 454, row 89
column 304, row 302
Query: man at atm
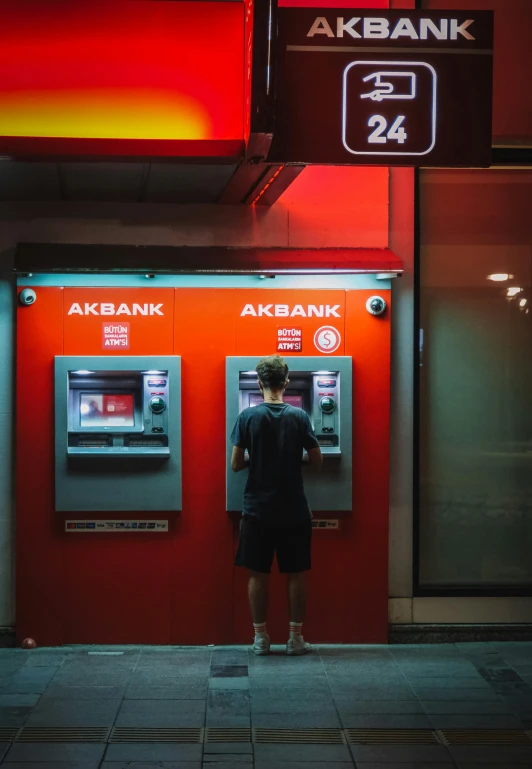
column 276, row 515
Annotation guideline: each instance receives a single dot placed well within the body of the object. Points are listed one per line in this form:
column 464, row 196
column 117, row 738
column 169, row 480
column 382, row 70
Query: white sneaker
column 298, row 646
column 261, row 646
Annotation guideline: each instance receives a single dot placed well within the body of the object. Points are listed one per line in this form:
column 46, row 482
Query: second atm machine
column 117, row 433
column 323, row 388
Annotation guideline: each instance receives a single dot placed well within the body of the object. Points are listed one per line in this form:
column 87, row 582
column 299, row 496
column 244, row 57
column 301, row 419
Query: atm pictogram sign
column 381, row 112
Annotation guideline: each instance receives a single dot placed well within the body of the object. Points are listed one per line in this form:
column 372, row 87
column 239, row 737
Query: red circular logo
column 327, row 339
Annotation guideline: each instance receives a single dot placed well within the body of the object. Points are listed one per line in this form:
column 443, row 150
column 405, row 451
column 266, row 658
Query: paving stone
column 491, row 754
column 18, row 700
column 466, row 695
column 279, row 704
column 457, row 669
column 352, row 675
column 227, row 762
column 54, row 752
column 468, row 765
column 40, row 658
column 326, row 720
column 151, row 752
column 228, row 671
column 330, row 764
column 346, row 704
column 153, row 677
column 234, row 748
column 51, row 765
column 387, row 721
column 229, row 683
column 59, row 692
column 228, row 721
column 96, row 678
column 306, row 687
column 150, row 765
column 472, row 721
column 10, row 653
column 230, row 657
column 374, row 692
column 14, row 716
column 178, row 691
column 400, row 754
column 232, row 702
column 465, row 708
column 267, row 755
column 162, row 713
column 74, row 713
column 448, row 682
column 499, row 674
column 29, row 681
column 408, row 765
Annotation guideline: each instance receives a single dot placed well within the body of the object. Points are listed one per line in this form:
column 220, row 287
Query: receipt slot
column 117, row 433
column 323, row 388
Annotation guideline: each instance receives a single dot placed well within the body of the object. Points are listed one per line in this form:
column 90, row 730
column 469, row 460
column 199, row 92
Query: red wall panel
column 181, row 587
column 40, row 582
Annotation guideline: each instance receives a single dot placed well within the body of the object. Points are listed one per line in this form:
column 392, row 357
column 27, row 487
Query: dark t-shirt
column 275, row 436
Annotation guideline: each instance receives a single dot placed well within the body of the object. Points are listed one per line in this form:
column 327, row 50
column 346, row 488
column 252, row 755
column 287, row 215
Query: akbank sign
column 384, row 87
column 380, row 28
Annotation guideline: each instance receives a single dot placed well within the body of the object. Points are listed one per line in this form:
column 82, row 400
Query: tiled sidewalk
column 435, row 689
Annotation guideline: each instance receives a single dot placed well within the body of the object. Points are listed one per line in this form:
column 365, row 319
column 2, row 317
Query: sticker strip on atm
column 107, row 526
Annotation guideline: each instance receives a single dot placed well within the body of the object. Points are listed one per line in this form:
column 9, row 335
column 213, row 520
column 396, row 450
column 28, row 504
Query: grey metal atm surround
column 107, row 462
column 331, row 489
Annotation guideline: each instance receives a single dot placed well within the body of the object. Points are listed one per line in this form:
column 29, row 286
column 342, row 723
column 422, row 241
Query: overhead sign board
column 384, row 87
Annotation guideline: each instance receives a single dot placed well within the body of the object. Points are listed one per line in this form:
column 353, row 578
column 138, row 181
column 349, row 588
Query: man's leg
column 258, row 596
column 258, row 602
column 297, row 596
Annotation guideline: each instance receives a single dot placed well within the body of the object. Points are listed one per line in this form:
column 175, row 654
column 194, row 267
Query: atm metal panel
column 328, row 490
column 115, row 483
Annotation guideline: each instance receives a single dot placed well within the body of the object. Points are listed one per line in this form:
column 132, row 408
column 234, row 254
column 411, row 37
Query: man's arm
column 238, row 461
column 315, row 458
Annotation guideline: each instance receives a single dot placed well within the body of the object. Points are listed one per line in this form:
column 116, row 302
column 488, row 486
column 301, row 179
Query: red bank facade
column 163, row 239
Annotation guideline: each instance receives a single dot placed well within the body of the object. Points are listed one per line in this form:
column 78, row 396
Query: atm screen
column 294, row 400
column 107, row 409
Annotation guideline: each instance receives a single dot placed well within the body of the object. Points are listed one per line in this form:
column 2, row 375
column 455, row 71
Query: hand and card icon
column 391, row 85
column 392, row 104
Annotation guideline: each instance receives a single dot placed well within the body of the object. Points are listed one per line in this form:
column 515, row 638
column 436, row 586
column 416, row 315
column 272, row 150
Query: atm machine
column 117, row 433
column 323, row 388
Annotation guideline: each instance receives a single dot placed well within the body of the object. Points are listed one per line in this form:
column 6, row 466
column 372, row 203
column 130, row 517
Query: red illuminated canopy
column 63, row 257
column 122, row 77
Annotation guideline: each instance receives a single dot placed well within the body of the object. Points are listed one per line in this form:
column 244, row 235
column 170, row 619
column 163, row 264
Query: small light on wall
column 513, row 291
column 499, row 277
column 522, row 303
column 149, row 275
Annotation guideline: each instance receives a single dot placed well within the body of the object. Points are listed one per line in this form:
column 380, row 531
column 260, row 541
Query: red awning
column 314, row 260
column 72, row 257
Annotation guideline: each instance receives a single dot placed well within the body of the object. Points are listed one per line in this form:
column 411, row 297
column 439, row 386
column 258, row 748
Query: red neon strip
column 269, row 184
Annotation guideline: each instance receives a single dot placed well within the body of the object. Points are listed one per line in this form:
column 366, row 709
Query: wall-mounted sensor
column 375, row 305
column 27, row 296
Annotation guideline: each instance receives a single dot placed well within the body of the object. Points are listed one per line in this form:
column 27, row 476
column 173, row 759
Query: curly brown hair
column 272, row 372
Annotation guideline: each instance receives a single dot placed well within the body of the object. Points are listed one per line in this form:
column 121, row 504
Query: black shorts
column 258, row 543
